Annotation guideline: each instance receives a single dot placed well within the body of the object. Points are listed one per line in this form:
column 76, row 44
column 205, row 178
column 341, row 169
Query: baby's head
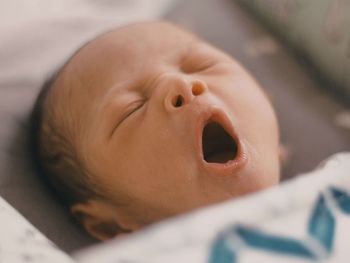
column 148, row 121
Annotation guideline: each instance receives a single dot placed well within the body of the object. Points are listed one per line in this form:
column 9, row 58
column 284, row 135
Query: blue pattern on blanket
column 342, row 199
column 321, row 231
column 322, row 224
column 278, row 244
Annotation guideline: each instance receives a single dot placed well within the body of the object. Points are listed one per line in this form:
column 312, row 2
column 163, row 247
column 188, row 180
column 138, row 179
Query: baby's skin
column 165, row 123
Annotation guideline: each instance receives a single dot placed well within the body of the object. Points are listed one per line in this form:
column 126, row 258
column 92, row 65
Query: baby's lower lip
column 231, row 167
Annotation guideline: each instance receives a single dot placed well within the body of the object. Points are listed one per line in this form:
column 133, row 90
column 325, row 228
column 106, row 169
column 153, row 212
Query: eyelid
column 130, row 109
column 128, row 112
column 208, row 63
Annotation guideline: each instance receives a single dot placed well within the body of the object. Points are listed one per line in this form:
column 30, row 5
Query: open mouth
column 218, row 146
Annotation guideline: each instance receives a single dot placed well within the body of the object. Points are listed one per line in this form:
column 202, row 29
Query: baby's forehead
column 147, row 39
column 128, row 49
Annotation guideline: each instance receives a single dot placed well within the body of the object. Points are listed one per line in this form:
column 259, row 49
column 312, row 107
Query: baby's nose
column 180, row 95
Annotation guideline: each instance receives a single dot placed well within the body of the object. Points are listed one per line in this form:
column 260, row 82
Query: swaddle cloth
column 303, row 220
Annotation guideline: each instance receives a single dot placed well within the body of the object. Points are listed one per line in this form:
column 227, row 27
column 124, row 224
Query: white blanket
column 306, row 219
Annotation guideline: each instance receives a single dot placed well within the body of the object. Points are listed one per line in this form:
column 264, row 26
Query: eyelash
column 139, row 104
column 204, row 66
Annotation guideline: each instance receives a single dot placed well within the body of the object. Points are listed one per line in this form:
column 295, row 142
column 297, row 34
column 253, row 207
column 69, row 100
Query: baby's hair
column 54, row 154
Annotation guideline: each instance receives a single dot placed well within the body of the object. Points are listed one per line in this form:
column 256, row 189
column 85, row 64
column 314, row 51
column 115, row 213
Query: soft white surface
column 283, row 210
column 38, row 35
column 19, row 12
column 21, row 242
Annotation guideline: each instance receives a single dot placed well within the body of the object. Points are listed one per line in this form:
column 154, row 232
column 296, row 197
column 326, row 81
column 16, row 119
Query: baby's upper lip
column 214, row 114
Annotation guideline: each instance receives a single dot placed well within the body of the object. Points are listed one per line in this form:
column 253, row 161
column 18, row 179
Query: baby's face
column 167, row 123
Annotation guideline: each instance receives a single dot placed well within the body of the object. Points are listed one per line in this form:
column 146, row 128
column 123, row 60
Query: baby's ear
column 284, row 153
column 97, row 218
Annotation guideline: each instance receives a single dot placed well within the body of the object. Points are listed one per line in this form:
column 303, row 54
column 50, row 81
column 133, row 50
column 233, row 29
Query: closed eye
column 205, row 65
column 131, row 109
column 200, row 67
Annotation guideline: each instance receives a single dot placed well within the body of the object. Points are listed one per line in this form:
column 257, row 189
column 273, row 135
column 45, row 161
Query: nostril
column 177, row 101
column 197, row 88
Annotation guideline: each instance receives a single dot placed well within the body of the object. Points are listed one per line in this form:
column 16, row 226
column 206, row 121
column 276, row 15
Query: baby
column 148, row 121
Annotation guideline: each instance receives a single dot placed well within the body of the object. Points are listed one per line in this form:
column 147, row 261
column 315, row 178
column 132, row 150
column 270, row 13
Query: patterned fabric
column 320, row 28
column 317, row 245
column 20, row 242
column 304, row 220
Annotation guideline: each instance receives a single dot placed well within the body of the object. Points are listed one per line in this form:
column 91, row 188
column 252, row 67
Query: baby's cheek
column 267, row 176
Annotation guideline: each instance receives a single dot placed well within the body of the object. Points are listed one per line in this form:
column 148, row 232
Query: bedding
column 22, row 242
column 304, row 220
